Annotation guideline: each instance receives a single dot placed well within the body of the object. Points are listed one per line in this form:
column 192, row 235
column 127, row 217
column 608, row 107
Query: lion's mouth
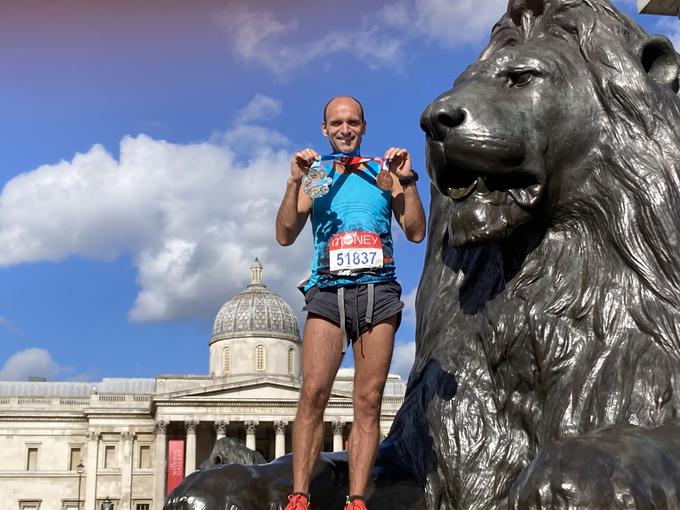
column 522, row 189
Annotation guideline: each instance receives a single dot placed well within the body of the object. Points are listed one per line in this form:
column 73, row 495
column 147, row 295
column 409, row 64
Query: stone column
column 338, row 426
column 91, row 470
column 160, row 461
column 126, row 470
column 280, row 445
column 251, row 429
column 221, row 429
column 190, row 456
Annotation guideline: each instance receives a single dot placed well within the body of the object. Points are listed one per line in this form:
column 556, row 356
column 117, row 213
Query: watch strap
column 405, row 181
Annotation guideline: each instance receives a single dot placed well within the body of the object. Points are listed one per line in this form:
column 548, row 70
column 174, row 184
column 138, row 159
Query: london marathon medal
column 384, row 177
column 317, row 183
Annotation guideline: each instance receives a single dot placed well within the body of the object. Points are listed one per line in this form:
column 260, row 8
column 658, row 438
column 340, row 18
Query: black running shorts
column 386, row 303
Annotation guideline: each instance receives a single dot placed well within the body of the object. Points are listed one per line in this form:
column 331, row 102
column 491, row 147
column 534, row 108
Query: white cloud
column 402, row 359
column 379, row 39
column 29, row 362
column 671, row 28
column 459, row 22
column 409, row 300
column 191, row 216
column 8, row 325
column 260, row 37
column 259, row 108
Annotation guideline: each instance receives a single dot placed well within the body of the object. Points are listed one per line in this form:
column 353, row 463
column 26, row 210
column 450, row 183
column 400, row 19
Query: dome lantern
column 255, row 318
column 256, row 274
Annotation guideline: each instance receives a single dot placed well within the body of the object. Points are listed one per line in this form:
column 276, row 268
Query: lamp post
column 106, row 504
column 79, row 469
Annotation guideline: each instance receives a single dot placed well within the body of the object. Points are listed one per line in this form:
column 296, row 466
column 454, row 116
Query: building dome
column 255, row 312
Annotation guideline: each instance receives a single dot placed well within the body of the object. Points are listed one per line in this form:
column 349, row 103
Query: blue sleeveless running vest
column 357, row 208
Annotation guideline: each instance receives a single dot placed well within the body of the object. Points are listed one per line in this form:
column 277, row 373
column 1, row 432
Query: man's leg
column 371, row 365
column 321, row 358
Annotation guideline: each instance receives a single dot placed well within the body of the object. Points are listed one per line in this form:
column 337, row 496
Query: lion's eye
column 519, row 78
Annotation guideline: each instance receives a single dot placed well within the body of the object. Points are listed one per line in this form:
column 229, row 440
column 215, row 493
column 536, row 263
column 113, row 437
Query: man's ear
column 660, row 61
column 324, row 130
column 363, row 130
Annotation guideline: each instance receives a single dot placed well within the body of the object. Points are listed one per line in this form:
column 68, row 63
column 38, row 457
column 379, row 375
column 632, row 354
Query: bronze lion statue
column 548, row 337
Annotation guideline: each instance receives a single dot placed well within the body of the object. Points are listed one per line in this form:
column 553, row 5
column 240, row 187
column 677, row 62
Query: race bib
column 351, row 251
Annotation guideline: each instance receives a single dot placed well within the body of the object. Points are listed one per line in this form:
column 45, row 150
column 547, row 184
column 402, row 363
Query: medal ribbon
column 383, row 179
column 348, row 161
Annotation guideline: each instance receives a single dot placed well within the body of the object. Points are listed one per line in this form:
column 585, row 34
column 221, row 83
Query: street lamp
column 79, row 469
column 106, row 504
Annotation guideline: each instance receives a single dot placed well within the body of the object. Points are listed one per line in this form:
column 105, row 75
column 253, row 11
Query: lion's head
column 555, row 111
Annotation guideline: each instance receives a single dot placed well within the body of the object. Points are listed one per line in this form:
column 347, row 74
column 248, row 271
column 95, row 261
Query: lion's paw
column 612, row 468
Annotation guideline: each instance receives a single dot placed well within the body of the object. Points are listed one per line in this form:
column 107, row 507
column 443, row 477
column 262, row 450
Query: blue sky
column 144, row 150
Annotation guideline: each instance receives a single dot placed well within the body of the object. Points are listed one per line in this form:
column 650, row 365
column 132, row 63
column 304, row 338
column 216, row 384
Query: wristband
column 405, row 181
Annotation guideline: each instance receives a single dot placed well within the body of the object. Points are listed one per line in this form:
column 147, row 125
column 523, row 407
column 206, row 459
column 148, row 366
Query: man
column 352, row 293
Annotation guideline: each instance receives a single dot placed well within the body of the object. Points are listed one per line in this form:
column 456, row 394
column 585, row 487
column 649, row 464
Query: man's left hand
column 399, row 162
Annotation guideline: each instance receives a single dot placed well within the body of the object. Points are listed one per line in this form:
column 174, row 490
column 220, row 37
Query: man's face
column 343, row 125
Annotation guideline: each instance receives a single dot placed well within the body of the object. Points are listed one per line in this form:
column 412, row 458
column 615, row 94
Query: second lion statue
column 547, row 362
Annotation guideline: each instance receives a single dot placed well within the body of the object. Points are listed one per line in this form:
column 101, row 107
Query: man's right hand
column 299, row 165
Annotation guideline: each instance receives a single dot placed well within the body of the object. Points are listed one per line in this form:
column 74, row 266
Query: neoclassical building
column 71, row 445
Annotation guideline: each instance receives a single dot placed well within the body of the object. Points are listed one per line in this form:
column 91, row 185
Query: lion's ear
column 660, row 61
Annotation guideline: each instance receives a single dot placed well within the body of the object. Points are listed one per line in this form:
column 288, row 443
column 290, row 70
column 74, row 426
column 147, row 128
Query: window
column 71, row 505
column 143, row 506
column 74, row 459
column 32, row 459
column 109, row 456
column 29, row 505
column 226, row 361
column 259, row 358
column 144, row 457
column 291, row 361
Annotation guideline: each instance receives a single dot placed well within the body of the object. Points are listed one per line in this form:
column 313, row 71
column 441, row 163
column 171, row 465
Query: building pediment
column 257, row 388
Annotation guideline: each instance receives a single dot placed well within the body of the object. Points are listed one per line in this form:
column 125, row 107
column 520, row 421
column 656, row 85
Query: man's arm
column 406, row 204
column 295, row 206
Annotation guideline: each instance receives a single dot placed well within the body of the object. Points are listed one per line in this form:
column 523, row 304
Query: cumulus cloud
column 261, row 107
column 259, row 36
column 192, row 217
column 459, row 22
column 402, row 359
column 7, row 324
column 29, row 362
column 379, row 39
column 671, row 28
column 409, row 300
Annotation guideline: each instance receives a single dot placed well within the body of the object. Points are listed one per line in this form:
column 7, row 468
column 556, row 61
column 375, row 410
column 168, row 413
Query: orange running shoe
column 297, row 501
column 355, row 503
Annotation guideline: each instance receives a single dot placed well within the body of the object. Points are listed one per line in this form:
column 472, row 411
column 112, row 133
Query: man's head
column 344, row 124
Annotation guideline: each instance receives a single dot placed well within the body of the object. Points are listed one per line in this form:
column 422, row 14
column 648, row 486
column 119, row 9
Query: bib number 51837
column 355, row 250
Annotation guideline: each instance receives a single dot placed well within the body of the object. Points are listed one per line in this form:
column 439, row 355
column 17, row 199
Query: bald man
column 352, row 294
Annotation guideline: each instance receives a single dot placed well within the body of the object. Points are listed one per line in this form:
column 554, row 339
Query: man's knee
column 367, row 401
column 313, row 398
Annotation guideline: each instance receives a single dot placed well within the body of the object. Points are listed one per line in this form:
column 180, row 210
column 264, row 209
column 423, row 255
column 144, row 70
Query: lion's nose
column 441, row 116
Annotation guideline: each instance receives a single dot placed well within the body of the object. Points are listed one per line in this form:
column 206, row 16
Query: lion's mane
column 574, row 322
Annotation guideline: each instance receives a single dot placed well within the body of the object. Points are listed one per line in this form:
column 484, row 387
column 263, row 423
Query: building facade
column 72, row 445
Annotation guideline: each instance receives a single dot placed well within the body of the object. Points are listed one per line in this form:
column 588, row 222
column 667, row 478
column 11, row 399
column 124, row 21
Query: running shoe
column 297, row 501
column 355, row 503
